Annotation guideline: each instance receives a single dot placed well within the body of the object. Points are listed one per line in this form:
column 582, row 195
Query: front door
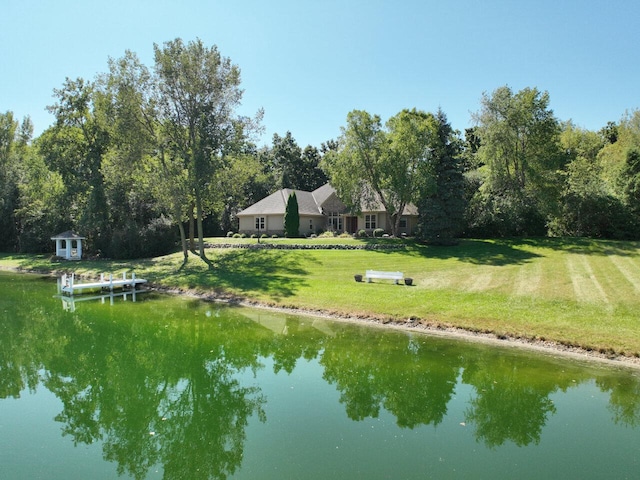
column 351, row 224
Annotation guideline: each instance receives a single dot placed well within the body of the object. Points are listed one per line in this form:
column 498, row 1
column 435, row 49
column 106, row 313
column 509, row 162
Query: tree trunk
column 199, row 215
column 395, row 225
column 176, row 205
column 192, row 228
column 183, row 239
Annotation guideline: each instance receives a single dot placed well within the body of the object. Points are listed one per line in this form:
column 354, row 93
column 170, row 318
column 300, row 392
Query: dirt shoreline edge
column 546, row 347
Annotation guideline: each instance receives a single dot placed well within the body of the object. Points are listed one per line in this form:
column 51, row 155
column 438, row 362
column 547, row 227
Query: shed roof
column 68, row 235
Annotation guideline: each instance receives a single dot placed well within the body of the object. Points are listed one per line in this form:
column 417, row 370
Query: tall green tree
column 40, row 209
column 243, row 181
column 632, row 185
column 286, row 161
column 292, row 217
column 199, row 91
column 74, row 147
column 587, row 206
column 146, row 188
column 355, row 168
column 387, row 165
column 9, row 180
column 519, row 138
column 311, row 176
column 293, row 167
column 519, row 148
column 442, row 204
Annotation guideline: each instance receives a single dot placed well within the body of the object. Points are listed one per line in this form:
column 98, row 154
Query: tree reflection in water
column 158, row 383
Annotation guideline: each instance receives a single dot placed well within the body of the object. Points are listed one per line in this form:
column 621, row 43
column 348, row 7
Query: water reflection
column 162, row 383
column 69, row 301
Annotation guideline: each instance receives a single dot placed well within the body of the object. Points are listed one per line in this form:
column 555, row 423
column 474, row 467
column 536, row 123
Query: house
column 267, row 215
column 320, row 210
column 68, row 245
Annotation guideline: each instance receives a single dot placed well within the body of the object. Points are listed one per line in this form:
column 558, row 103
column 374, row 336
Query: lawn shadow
column 591, row 246
column 272, row 272
column 475, row 251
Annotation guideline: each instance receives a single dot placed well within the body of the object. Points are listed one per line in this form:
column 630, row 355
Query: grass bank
column 576, row 292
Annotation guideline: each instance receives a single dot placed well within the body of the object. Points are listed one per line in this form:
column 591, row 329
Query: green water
column 175, row 388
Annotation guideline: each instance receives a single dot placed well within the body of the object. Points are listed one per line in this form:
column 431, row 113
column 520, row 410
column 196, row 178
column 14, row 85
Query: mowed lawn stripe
column 586, row 286
column 629, row 269
column 527, row 279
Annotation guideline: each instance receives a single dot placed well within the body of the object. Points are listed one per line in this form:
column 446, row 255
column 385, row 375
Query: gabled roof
column 68, row 235
column 375, row 205
column 322, row 193
column 276, row 204
column 309, row 203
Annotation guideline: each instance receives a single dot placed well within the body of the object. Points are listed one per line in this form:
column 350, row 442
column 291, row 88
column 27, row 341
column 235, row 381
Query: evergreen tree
column 292, row 217
column 442, row 204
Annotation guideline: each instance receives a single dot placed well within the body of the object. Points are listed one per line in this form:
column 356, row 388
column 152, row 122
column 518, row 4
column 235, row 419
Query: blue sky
column 308, row 63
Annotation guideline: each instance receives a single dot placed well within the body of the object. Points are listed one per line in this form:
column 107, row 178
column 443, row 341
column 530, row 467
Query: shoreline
column 546, row 347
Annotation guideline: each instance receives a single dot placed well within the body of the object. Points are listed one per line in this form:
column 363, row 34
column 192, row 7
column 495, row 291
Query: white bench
column 397, row 276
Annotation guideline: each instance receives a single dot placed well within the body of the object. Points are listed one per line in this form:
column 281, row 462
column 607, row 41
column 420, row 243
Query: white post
column 71, row 283
column 111, row 281
column 68, row 254
column 79, row 248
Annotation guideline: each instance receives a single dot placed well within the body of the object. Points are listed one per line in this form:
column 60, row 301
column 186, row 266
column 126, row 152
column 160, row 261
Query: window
column 260, row 223
column 403, row 222
column 311, row 225
column 370, row 222
column 334, row 222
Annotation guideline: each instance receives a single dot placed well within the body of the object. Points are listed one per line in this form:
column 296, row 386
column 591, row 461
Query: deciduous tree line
column 141, row 154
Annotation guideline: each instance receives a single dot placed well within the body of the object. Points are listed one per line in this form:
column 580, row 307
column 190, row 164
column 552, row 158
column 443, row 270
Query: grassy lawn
column 574, row 291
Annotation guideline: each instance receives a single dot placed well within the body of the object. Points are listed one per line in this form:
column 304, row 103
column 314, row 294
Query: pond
column 177, row 388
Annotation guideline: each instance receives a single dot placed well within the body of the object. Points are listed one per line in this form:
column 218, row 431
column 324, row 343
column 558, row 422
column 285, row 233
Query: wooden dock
column 68, row 285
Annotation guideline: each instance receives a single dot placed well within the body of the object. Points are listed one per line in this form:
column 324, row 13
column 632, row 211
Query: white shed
column 68, row 245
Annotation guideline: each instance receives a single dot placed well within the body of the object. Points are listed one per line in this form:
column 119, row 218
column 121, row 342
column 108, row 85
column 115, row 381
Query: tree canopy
column 387, row 165
column 142, row 153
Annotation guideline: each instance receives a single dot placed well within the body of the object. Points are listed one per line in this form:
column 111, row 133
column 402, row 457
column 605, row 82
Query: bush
column 378, row 232
column 156, row 238
column 264, row 235
column 362, row 233
column 229, row 234
column 504, row 215
column 243, row 235
column 274, row 236
column 237, row 235
column 253, row 235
